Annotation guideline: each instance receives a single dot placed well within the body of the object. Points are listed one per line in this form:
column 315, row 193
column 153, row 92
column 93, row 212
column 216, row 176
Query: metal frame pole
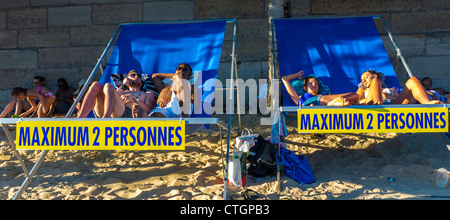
column 225, row 178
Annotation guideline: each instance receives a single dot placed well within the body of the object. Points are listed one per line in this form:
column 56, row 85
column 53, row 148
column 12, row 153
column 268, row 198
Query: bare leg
column 375, row 92
column 25, row 105
column 19, row 107
column 40, row 111
column 413, row 89
column 94, row 98
column 340, row 101
column 114, row 106
column 9, row 108
column 48, row 101
column 350, row 99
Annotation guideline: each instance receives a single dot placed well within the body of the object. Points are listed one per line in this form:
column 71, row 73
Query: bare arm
column 40, row 97
column 286, row 81
column 195, row 99
column 362, row 96
column 32, row 109
column 158, row 80
column 147, row 102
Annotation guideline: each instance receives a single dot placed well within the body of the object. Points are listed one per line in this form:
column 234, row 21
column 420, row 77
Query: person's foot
column 340, row 101
column 138, row 112
column 433, row 102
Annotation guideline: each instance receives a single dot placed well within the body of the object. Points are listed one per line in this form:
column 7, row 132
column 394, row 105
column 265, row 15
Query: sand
column 346, row 166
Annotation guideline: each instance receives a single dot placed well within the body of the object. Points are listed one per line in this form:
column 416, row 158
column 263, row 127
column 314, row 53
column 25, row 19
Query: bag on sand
column 234, row 169
column 296, row 166
column 261, row 159
column 237, row 168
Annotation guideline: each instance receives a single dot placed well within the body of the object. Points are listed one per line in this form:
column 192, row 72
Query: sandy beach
column 346, row 166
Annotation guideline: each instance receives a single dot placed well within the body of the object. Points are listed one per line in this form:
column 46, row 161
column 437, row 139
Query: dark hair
column 62, row 80
column 380, row 76
column 306, row 79
column 431, row 81
column 18, row 90
column 188, row 66
column 40, row 78
column 133, row 71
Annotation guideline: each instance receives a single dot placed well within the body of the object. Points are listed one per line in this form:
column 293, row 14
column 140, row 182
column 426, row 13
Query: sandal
column 248, row 194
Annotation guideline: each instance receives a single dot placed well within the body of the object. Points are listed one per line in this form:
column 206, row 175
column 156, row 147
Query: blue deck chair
column 337, row 50
column 159, row 47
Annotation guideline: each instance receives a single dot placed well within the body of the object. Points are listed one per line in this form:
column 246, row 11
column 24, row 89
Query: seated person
column 442, row 94
column 44, row 95
column 314, row 94
column 107, row 102
column 372, row 86
column 427, row 84
column 174, row 101
column 64, row 96
column 387, row 94
column 20, row 106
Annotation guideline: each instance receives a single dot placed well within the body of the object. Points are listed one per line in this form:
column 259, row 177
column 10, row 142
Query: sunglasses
column 133, row 75
column 184, row 69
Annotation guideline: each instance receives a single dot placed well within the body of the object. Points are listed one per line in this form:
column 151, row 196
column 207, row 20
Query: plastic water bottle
column 441, row 178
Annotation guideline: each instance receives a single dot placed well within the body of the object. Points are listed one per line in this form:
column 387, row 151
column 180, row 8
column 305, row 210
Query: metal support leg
column 446, row 140
column 30, row 176
column 11, row 144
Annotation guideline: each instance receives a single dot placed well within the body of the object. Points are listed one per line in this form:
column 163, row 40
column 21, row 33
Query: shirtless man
column 171, row 99
column 107, row 102
column 64, row 96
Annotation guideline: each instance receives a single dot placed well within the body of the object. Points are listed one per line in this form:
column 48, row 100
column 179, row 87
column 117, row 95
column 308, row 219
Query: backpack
column 261, row 159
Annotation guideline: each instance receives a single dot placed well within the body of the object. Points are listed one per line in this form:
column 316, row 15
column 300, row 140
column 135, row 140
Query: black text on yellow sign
column 370, row 120
column 101, row 135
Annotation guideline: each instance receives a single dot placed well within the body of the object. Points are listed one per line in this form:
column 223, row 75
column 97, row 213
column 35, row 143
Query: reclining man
column 107, row 102
column 174, row 101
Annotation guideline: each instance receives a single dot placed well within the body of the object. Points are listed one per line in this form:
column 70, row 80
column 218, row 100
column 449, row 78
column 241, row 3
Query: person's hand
column 301, row 74
column 126, row 82
column 128, row 98
column 44, row 108
column 162, row 103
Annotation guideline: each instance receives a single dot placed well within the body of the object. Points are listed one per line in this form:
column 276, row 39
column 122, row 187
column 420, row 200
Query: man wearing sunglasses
column 108, row 102
column 174, row 101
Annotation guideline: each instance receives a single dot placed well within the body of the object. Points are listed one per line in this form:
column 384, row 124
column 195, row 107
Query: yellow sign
column 371, row 120
column 101, row 135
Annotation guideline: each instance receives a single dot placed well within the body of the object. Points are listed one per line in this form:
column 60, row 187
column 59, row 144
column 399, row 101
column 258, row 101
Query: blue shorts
column 168, row 112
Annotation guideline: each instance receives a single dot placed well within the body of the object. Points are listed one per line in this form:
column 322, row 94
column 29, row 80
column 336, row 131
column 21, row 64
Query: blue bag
column 296, row 166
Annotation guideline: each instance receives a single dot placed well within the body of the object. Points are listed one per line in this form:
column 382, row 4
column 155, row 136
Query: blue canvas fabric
column 160, row 48
column 337, row 51
column 296, row 167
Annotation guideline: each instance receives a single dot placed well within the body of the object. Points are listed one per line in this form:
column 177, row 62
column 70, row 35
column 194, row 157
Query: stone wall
column 64, row 38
